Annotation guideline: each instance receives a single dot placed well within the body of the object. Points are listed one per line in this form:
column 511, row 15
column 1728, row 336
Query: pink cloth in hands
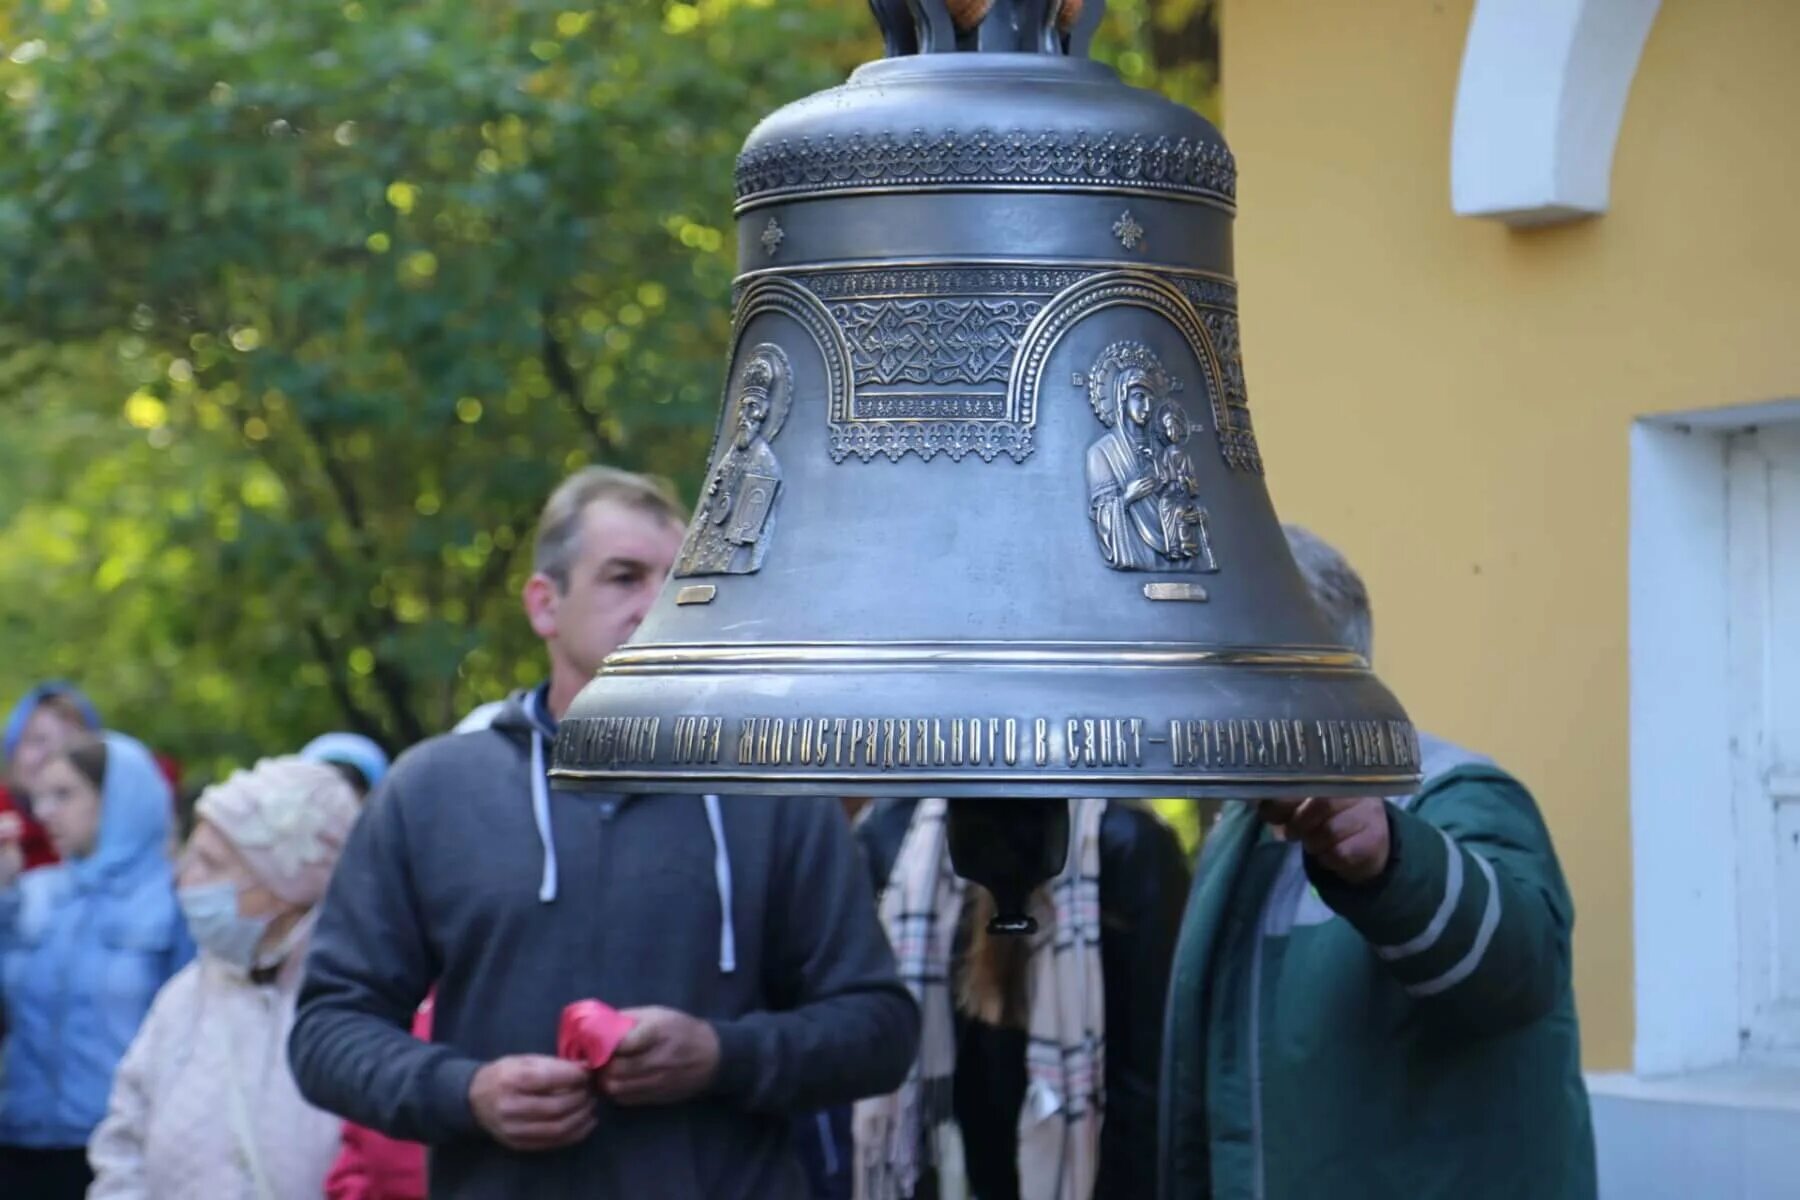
column 590, row 1032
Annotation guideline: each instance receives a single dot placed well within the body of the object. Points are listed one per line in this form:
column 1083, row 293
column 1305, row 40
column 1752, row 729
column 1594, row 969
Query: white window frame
column 1689, row 846
column 1765, row 784
column 1702, row 852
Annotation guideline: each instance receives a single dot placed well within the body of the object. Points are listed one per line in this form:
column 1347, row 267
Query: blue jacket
column 84, row 947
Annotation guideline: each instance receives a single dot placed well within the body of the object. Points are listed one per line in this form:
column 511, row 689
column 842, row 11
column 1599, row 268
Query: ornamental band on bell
column 947, row 359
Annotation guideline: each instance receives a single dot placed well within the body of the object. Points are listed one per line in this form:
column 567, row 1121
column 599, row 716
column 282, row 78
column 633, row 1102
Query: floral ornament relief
column 1128, row 231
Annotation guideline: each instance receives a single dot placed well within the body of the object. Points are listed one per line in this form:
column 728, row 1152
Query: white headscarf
column 289, row 818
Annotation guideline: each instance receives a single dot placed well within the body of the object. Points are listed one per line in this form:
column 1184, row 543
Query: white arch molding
column 1538, row 106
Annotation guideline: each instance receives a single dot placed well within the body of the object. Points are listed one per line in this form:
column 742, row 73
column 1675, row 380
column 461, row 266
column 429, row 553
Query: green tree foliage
column 306, row 304
column 1169, row 45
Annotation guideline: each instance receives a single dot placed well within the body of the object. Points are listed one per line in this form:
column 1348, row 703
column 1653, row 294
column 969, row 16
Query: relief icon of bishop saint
column 730, row 534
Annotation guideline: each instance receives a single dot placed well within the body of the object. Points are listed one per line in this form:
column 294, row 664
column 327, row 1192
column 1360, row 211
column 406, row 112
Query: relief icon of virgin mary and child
column 1143, row 489
column 730, row 533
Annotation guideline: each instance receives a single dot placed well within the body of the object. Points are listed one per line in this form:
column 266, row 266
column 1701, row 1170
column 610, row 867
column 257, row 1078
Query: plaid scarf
column 899, row 1135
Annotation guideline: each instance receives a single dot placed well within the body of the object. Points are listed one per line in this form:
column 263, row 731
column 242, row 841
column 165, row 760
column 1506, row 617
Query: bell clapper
column 1009, row 847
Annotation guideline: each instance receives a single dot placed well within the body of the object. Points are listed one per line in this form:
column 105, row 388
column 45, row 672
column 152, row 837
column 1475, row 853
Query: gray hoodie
column 750, row 912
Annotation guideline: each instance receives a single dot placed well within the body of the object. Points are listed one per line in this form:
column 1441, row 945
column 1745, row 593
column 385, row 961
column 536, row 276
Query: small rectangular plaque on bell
column 696, row 593
column 1174, row 591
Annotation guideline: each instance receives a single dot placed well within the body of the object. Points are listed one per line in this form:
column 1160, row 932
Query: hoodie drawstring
column 540, row 812
column 722, row 880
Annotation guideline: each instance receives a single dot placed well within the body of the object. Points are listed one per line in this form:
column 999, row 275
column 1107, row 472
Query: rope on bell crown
column 967, row 14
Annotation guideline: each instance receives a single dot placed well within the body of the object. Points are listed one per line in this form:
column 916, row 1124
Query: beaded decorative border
column 1177, row 166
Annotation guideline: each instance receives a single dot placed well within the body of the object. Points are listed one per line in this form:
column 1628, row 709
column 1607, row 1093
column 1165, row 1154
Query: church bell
column 985, row 514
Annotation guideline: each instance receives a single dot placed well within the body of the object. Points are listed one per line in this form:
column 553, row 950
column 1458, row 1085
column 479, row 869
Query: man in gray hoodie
column 738, row 934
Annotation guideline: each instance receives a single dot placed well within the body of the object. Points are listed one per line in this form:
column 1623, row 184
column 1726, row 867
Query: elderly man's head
column 1336, row 588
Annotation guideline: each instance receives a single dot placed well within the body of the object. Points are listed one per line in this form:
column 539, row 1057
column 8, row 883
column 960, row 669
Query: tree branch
column 342, row 487
column 562, row 376
column 395, row 686
column 393, row 682
column 493, row 571
column 358, row 717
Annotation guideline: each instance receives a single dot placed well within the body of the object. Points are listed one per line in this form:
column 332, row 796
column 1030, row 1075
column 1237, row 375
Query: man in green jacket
column 1372, row 997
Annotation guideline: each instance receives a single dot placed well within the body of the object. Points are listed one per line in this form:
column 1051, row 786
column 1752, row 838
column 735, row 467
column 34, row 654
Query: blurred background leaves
column 305, row 306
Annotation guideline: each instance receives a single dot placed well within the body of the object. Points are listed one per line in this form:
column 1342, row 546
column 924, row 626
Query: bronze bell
column 985, row 513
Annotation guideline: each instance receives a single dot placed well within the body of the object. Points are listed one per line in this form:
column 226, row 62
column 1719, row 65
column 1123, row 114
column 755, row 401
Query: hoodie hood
column 136, row 815
column 28, row 704
column 523, row 713
column 480, row 717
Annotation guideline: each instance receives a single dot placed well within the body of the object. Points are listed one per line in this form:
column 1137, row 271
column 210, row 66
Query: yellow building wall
column 1449, row 400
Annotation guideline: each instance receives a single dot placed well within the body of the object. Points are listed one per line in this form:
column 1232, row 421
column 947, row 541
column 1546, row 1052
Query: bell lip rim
column 899, row 655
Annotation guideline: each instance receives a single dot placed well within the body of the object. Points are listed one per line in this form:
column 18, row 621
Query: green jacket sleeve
column 1471, row 916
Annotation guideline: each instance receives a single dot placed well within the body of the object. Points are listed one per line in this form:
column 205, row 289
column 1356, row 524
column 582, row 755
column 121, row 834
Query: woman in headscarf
column 84, row 946
column 204, row 1104
column 1038, row 1056
column 44, row 721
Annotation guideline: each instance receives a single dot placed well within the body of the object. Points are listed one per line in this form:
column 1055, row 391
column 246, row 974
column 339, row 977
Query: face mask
column 212, row 917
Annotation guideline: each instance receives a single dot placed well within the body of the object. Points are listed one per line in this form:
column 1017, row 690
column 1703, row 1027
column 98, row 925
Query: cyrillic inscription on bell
column 986, row 514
